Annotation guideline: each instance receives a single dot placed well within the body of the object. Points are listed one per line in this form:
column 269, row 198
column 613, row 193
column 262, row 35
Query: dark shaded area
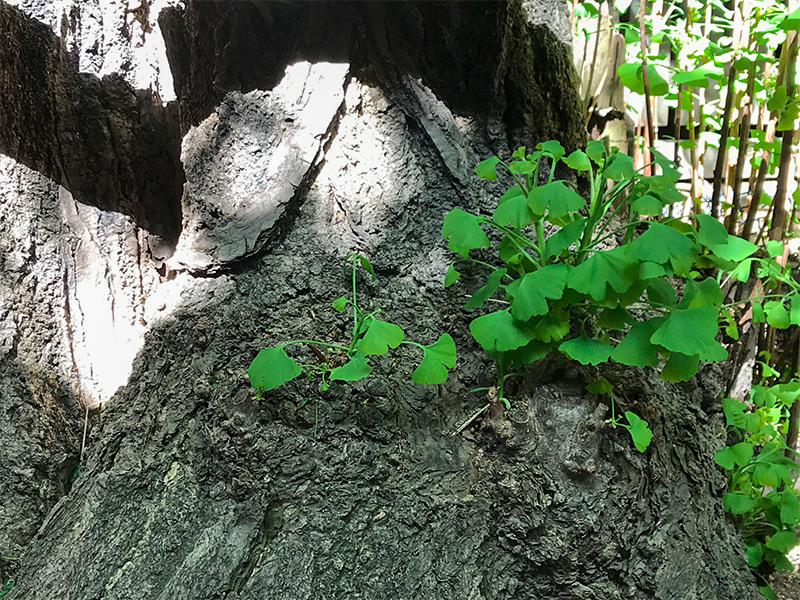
column 40, row 425
column 110, row 146
column 480, row 58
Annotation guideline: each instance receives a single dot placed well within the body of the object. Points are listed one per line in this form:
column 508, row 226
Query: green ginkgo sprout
column 370, row 336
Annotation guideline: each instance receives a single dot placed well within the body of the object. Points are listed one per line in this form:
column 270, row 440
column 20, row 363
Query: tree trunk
column 306, row 131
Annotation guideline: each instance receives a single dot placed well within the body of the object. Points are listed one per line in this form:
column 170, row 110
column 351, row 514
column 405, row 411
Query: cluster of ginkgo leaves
column 370, row 336
column 602, row 286
column 762, row 473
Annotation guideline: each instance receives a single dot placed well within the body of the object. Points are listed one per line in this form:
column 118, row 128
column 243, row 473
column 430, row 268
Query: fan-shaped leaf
column 438, row 357
column 586, row 351
column 463, row 231
column 271, row 368
column 380, row 337
column 353, row 370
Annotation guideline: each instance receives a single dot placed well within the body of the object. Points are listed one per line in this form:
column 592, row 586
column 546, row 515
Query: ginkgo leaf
column 463, row 232
column 689, row 331
column 486, row 168
column 366, row 265
column 730, row 457
column 777, row 315
column 755, row 553
column 339, row 304
column 610, row 267
column 620, row 167
column 514, row 212
column 271, row 368
column 737, row 503
column 438, row 357
column 552, row 148
column 380, row 337
column 735, row 249
column 661, row 244
column 451, row 276
column 711, row 232
column 733, row 410
column 680, row 367
column 694, row 77
column 742, row 271
column 778, row 98
column 482, row 294
column 565, row 237
column 639, row 430
column 705, row 293
column 771, row 474
column 554, row 198
column 669, row 171
column 353, row 370
column 553, row 326
column 499, row 331
column 529, row 353
column 647, row 205
column 528, row 293
column 630, row 74
column 782, row 541
column 794, row 309
column 617, row 318
column 596, row 149
column 650, row 270
column 587, row 351
column 600, row 386
column 578, row 160
column 661, row 293
column 522, row 167
column 636, row 349
column 774, row 248
column 790, row 507
column 791, row 21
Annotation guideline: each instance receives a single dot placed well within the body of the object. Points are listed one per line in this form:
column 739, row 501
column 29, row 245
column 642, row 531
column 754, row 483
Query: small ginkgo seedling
column 370, row 336
column 637, row 427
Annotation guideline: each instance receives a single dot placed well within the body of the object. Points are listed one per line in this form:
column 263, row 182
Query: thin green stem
column 553, row 163
column 500, row 377
column 754, row 298
column 519, row 240
column 613, row 233
column 514, row 175
column 542, row 242
column 355, row 303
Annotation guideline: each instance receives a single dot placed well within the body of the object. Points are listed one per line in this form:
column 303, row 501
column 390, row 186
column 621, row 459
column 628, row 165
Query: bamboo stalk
column 744, row 141
column 646, row 83
column 720, row 168
column 785, row 161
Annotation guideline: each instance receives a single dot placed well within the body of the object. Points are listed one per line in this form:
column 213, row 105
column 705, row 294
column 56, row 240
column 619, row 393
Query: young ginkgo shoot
column 601, row 287
column 370, row 336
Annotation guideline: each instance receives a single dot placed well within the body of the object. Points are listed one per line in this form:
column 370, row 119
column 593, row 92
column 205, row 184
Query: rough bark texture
column 189, row 488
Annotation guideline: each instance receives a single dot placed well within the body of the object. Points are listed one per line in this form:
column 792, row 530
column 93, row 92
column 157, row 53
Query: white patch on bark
column 245, row 162
column 77, row 292
column 111, row 37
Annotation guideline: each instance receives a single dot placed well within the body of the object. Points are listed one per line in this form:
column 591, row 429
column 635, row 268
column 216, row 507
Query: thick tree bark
column 310, row 130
